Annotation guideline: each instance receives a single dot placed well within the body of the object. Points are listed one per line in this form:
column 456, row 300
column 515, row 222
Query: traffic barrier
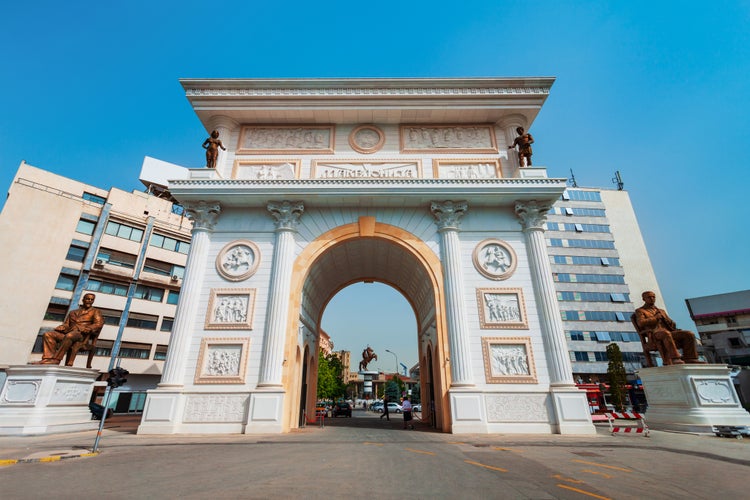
column 642, row 428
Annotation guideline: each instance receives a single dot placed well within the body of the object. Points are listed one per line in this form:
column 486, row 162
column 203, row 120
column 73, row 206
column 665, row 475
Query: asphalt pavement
column 365, row 456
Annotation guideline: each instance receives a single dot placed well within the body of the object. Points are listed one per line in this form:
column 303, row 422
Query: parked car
column 377, row 407
column 342, row 408
column 392, row 408
column 417, row 407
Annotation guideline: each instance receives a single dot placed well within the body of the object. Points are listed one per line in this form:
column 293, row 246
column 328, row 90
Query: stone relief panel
column 495, row 259
column 715, row 392
column 282, row 139
column 665, row 392
column 216, row 408
column 222, row 361
column 266, row 170
column 366, row 139
column 66, row 392
column 478, row 138
column 342, row 169
column 230, row 309
column 20, row 391
column 501, row 308
column 238, row 260
column 516, row 408
column 508, row 360
column 467, row 169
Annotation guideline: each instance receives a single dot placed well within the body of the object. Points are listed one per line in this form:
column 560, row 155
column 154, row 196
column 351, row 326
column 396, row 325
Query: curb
column 56, row 458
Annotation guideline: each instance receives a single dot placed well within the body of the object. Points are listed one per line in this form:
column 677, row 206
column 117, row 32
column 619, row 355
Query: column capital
column 448, row 213
column 286, row 213
column 532, row 214
column 204, row 214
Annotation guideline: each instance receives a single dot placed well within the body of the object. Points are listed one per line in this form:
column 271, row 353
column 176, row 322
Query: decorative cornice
column 384, row 181
column 448, row 213
column 532, row 214
column 358, row 91
column 286, row 213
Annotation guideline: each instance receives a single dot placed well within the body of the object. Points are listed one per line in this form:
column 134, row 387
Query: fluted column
column 204, row 216
column 286, row 214
column 532, row 216
column 226, row 127
column 448, row 215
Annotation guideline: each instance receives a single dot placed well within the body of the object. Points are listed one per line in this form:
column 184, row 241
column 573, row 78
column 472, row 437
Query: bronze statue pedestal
column 691, row 398
column 367, row 385
column 46, row 399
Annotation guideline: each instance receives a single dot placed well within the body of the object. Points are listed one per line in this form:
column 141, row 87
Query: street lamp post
column 395, row 356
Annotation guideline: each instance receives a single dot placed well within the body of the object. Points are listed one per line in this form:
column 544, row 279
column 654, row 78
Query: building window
column 161, row 353
column 576, row 335
column 581, row 356
column 124, row 231
column 163, row 268
column 107, row 287
column 166, row 324
column 66, row 282
column 552, row 226
column 111, row 316
column 115, row 258
column 732, row 320
column 602, row 337
column 612, row 279
column 600, row 356
column 620, row 316
column 76, row 253
column 85, row 227
column 618, row 297
column 173, row 297
column 143, row 321
column 568, row 211
column 55, row 312
column 576, row 195
column 39, row 342
column 605, row 261
column 134, row 351
column 167, row 243
column 104, row 348
column 94, row 198
column 734, row 342
column 149, row 293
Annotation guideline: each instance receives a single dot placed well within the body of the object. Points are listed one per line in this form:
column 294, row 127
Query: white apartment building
column 600, row 266
column 723, row 323
column 64, row 238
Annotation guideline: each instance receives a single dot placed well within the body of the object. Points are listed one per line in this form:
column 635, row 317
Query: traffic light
column 117, row 377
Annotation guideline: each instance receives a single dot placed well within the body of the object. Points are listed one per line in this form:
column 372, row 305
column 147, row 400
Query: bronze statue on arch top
column 524, row 142
column 212, row 145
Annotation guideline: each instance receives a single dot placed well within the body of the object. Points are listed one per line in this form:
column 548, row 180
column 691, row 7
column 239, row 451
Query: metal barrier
column 642, row 428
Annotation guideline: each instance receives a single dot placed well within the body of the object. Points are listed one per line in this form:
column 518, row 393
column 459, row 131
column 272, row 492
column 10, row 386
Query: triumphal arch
column 321, row 183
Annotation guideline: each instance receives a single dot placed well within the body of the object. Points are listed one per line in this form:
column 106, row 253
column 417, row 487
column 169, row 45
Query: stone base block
column 45, row 399
column 691, row 398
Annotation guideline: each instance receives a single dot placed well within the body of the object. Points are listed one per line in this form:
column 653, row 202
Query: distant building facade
column 66, row 238
column 723, row 323
column 600, row 267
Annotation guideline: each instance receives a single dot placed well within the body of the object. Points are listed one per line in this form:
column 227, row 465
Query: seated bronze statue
column 78, row 332
column 659, row 333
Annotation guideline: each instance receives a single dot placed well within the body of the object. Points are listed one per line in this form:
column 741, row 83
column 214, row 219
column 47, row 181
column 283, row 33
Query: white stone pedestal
column 44, row 399
column 367, row 385
column 691, row 398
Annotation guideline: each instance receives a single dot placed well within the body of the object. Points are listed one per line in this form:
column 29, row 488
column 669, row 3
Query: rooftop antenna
column 618, row 180
column 572, row 180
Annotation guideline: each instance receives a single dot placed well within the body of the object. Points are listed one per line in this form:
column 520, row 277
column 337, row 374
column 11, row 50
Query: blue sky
column 656, row 90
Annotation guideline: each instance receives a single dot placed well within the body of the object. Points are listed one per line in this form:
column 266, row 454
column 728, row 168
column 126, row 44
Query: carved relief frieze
column 222, row 361
column 230, row 309
column 283, row 139
column 495, row 259
column 508, row 360
column 346, row 169
column 216, row 408
column 366, row 139
column 501, row 308
column 467, row 169
column 69, row 392
column 516, row 408
column 266, row 170
column 478, row 138
column 238, row 260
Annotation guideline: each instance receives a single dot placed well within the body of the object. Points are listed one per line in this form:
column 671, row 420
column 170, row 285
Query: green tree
column 330, row 380
column 392, row 391
column 617, row 377
column 416, row 396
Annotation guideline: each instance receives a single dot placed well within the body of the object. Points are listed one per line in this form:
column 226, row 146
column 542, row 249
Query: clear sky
column 656, row 90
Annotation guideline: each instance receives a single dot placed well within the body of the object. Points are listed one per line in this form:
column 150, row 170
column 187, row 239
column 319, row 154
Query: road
column 366, row 457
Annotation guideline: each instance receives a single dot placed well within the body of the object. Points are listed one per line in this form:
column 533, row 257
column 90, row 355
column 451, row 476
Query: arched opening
column 368, row 251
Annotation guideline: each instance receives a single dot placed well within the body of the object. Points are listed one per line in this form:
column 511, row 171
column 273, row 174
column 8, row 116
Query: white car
column 417, row 407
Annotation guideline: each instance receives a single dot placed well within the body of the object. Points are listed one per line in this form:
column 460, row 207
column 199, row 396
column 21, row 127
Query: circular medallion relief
column 238, row 260
column 495, row 259
column 366, row 139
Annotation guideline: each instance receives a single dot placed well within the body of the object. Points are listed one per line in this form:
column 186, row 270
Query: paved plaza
column 366, row 457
